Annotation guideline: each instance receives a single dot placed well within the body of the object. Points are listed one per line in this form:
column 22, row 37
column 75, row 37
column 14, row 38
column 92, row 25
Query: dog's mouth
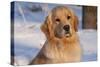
column 68, row 34
column 62, row 34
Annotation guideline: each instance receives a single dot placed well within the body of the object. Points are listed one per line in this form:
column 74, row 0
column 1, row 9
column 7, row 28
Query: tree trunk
column 89, row 17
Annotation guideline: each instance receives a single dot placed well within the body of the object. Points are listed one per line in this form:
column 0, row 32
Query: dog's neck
column 55, row 45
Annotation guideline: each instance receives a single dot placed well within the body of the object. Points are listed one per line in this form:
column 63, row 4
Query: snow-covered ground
column 88, row 41
column 29, row 39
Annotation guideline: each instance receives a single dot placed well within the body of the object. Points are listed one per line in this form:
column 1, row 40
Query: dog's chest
column 60, row 52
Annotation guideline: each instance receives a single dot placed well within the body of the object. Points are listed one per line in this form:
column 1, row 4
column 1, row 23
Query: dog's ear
column 47, row 27
column 75, row 20
column 76, row 23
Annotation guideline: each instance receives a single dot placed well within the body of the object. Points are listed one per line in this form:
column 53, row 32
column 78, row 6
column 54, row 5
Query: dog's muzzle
column 67, row 30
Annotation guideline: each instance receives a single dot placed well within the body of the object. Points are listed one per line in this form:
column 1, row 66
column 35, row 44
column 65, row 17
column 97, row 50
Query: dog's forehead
column 61, row 10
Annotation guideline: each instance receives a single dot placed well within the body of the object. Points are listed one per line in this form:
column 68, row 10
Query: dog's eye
column 68, row 17
column 58, row 20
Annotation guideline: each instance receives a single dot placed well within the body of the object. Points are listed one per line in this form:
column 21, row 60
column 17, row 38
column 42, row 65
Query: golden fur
column 62, row 44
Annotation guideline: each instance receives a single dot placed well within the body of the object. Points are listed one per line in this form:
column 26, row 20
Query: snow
column 88, row 40
column 28, row 42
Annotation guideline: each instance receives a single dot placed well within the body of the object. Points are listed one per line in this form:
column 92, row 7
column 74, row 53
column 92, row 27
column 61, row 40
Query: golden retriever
column 62, row 44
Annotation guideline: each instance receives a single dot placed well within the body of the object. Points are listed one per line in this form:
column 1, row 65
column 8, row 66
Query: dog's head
column 61, row 22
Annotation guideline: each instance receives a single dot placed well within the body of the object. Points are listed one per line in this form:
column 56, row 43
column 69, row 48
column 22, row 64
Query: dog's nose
column 66, row 27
